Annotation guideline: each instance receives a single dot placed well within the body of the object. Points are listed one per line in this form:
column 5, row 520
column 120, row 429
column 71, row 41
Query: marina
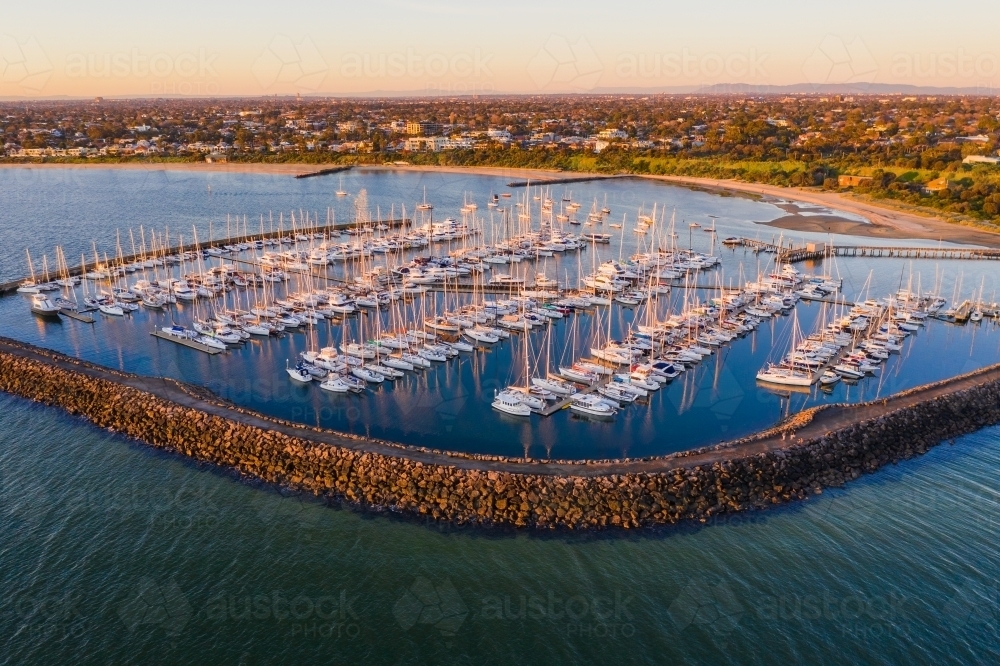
column 509, row 316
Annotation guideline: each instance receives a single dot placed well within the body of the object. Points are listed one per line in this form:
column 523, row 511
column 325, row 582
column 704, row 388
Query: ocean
column 112, row 552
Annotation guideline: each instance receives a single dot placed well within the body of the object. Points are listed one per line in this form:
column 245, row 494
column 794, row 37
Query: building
column 423, row 128
column 612, row 134
column 853, row 181
column 981, row 159
column 978, row 138
column 501, row 135
column 420, row 144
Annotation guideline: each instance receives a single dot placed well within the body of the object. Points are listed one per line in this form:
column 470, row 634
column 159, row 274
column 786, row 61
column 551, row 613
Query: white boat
column 209, row 341
column 367, row 375
column 460, row 345
column 358, row 350
column 397, row 363
column 111, row 309
column 385, row 371
column 829, row 378
column 480, row 335
column 555, row 385
column 593, row 406
column 774, row 374
column 299, row 373
column 336, row 384
column 616, row 394
column 510, row 403
column 42, row 306
column 526, row 398
column 578, row 375
column 415, row 360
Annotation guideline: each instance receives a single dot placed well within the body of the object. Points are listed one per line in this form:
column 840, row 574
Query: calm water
column 446, row 406
column 113, row 553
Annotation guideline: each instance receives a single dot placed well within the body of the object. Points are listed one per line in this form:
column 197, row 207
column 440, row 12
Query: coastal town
column 935, row 152
column 438, row 332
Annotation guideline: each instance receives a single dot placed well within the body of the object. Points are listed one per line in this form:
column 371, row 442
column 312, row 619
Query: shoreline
column 817, row 448
column 883, row 221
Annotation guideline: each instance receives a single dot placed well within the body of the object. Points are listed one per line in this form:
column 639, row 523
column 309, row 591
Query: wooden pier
column 185, row 342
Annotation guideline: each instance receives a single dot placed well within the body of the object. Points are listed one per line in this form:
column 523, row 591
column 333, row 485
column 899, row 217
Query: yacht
column 509, row 402
column 42, row 306
column 593, row 406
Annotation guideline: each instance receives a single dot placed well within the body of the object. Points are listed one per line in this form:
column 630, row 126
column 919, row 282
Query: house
column 612, row 134
column 853, row 181
column 501, row 135
column 978, row 138
column 938, row 185
column 981, row 159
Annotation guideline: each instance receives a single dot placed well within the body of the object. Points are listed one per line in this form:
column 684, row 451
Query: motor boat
column 509, row 402
column 42, row 306
column 300, row 373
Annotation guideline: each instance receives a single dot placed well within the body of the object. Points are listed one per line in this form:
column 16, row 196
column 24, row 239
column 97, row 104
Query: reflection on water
column 448, row 406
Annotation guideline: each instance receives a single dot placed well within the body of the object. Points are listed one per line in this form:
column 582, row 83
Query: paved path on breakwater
column 823, row 421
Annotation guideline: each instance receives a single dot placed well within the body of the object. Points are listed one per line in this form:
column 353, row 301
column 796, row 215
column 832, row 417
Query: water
column 114, row 553
column 448, row 406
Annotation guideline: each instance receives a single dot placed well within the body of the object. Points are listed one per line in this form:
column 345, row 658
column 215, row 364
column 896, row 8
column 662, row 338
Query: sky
column 251, row 48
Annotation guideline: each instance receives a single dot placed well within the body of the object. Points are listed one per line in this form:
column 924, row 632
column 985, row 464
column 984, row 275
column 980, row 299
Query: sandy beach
column 881, row 221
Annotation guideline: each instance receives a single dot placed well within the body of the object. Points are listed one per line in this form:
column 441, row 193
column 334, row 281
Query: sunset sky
column 52, row 49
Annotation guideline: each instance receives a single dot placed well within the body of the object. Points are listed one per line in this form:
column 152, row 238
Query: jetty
column 325, row 172
column 795, row 253
column 185, row 342
column 8, row 288
column 565, row 181
column 79, row 315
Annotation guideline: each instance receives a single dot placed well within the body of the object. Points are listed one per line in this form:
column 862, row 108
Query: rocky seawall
column 817, row 448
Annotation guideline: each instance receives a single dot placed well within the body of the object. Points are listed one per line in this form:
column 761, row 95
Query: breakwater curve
column 820, row 447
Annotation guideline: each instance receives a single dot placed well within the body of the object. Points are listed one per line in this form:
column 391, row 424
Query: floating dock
column 185, row 342
column 79, row 316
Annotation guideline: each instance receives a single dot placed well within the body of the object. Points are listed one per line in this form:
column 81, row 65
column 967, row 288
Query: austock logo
column 438, row 605
column 24, row 63
column 710, row 606
column 285, row 62
column 148, row 603
column 560, row 64
column 837, row 62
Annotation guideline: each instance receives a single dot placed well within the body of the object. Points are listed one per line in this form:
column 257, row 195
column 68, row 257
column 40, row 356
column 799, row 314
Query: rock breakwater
column 817, row 448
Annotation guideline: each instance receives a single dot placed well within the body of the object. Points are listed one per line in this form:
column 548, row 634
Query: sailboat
column 341, row 192
column 29, row 286
column 425, row 205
